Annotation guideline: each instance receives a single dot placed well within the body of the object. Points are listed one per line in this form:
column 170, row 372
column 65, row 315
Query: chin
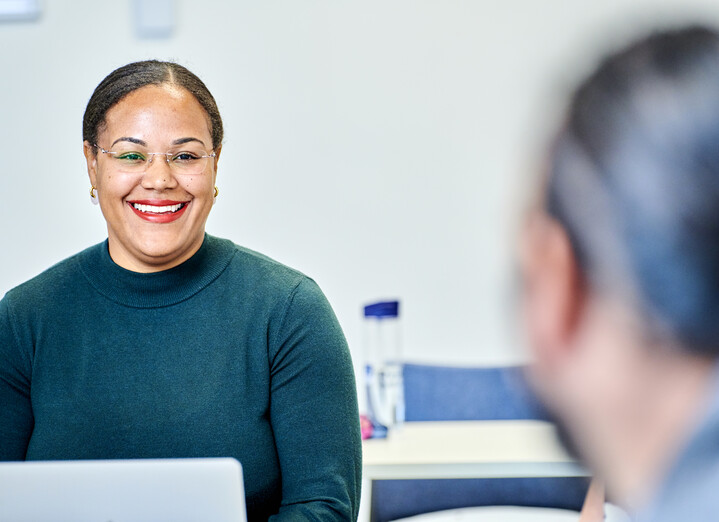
column 154, row 251
column 166, row 252
column 566, row 436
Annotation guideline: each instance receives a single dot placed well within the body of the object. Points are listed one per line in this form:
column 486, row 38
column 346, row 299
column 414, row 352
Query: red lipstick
column 167, row 214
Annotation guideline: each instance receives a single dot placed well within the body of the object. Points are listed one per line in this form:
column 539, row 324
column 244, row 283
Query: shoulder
column 261, row 270
column 61, row 279
column 273, row 285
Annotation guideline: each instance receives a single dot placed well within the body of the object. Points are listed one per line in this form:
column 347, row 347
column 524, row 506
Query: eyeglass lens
column 189, row 161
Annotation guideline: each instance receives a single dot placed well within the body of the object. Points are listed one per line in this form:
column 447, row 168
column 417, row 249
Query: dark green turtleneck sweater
column 228, row 354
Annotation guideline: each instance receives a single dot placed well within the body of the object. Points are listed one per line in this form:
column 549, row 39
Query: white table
column 466, row 449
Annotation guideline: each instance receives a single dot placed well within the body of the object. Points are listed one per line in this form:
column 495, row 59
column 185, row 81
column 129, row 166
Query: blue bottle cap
column 382, row 309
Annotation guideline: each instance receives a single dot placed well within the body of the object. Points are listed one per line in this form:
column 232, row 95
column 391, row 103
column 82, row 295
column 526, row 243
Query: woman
column 164, row 341
column 621, row 263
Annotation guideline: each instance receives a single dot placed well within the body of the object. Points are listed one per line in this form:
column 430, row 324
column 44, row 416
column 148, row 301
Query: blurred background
column 383, row 147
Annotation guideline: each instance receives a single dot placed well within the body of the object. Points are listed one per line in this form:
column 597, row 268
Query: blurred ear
column 91, row 160
column 554, row 292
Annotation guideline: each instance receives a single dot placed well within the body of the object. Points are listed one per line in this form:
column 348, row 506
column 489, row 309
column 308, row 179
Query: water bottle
column 383, row 371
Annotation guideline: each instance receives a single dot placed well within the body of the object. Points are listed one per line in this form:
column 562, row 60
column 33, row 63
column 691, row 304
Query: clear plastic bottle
column 383, row 370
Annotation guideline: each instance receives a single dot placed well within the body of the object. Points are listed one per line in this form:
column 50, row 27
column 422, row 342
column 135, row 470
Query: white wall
column 381, row 146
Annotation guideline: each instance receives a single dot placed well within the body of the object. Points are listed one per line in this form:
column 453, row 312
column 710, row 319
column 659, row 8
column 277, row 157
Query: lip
column 167, row 217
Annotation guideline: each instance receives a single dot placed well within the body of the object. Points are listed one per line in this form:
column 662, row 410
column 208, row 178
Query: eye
column 184, row 157
column 130, row 157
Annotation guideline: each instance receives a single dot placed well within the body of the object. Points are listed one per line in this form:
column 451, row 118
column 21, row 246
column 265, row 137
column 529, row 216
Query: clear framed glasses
column 187, row 161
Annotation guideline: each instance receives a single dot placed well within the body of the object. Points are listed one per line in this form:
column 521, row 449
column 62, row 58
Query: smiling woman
column 164, row 341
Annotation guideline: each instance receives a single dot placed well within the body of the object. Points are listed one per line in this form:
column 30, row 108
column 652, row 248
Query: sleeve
column 314, row 411
column 16, row 418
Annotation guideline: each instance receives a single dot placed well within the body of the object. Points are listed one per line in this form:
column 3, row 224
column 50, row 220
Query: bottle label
column 385, row 396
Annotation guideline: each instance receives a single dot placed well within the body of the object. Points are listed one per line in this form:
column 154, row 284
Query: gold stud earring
column 93, row 196
column 217, row 191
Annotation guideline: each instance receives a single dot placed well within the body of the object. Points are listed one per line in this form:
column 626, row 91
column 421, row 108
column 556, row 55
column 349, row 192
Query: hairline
column 171, row 81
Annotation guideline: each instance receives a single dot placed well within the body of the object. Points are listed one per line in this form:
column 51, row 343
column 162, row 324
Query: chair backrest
column 442, row 393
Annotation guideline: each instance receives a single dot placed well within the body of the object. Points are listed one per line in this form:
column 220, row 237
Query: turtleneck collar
column 157, row 289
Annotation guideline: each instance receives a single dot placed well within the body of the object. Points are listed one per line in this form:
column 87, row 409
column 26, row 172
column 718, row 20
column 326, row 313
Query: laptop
column 147, row 490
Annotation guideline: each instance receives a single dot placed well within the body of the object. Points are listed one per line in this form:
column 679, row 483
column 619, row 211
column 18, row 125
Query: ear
column 91, row 160
column 554, row 290
column 218, row 150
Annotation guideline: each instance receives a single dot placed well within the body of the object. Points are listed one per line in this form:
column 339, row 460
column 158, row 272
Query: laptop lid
column 180, row 490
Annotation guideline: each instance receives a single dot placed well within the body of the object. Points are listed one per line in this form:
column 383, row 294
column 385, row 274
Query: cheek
column 104, row 185
column 105, row 179
column 199, row 187
column 114, row 186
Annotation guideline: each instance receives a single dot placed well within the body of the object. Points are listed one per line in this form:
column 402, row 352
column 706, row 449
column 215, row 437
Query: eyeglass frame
column 152, row 155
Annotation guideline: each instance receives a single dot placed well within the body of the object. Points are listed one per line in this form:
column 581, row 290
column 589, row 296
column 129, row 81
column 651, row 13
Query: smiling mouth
column 161, row 212
column 154, row 209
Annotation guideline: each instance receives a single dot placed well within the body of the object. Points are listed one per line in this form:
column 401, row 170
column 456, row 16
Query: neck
column 664, row 394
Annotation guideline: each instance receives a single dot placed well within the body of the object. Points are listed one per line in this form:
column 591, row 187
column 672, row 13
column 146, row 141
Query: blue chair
column 438, row 393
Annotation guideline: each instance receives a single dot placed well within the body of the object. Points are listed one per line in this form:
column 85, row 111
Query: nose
column 158, row 175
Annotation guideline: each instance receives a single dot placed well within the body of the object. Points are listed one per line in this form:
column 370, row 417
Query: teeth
column 157, row 210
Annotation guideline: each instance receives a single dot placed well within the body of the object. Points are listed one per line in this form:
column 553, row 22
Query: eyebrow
column 137, row 141
column 131, row 140
column 180, row 141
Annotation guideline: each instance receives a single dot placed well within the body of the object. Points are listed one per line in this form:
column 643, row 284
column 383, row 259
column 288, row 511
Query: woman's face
column 156, row 218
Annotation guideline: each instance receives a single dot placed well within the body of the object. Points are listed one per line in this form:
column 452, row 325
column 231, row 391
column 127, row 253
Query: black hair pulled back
column 634, row 179
column 128, row 78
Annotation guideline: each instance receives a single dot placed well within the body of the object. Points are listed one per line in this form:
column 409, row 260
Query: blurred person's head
column 621, row 258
